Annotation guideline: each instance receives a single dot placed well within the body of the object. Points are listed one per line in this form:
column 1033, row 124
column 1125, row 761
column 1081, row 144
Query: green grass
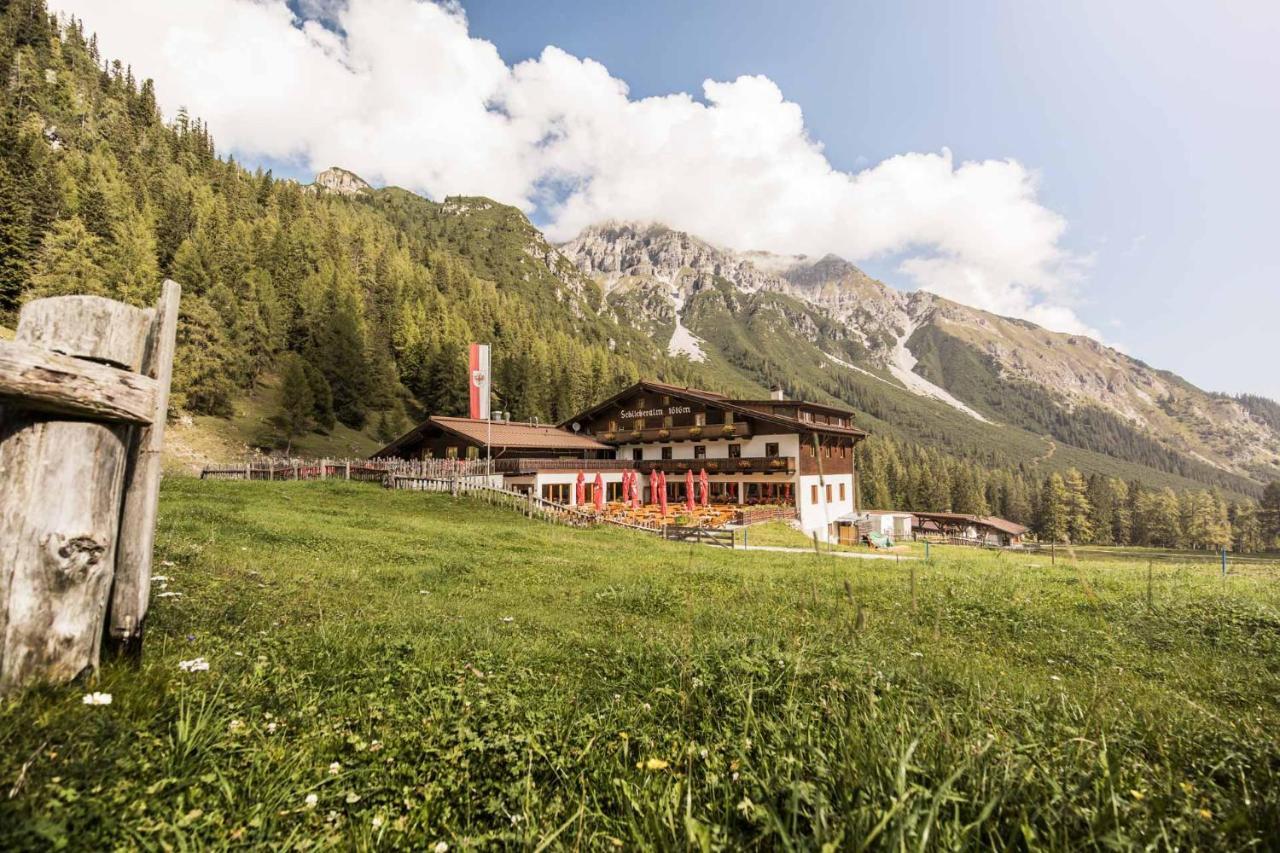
column 487, row 681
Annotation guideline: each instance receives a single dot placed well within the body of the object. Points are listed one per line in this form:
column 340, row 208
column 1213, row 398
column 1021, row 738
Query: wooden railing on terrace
column 714, row 465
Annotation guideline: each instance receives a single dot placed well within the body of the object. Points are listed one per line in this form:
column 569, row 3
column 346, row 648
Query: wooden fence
column 701, row 535
column 362, row 470
column 85, row 390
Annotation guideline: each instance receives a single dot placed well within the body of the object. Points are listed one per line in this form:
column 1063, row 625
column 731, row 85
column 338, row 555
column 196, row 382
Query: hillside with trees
column 347, row 313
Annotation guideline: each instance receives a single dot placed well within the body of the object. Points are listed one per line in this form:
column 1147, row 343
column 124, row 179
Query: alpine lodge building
column 772, row 458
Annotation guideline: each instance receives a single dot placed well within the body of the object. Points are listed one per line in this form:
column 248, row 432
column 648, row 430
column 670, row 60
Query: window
column 700, row 419
column 807, row 450
column 473, row 453
column 813, row 494
column 668, row 421
column 735, row 451
column 828, row 493
column 699, row 451
column 771, row 449
column 666, row 453
column 451, row 452
column 666, row 400
column 556, row 492
column 637, row 453
column 842, row 491
column 639, row 424
column 613, row 426
column 728, row 417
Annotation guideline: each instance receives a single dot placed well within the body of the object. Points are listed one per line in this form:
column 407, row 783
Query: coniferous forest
column 360, row 307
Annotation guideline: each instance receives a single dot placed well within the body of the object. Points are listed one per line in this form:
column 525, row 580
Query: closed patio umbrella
column 579, row 493
column 635, row 490
column 703, row 487
column 688, row 489
column 598, row 491
column 662, row 492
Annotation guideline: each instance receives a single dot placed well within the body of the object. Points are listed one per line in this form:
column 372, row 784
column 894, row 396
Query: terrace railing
column 741, row 429
column 713, row 465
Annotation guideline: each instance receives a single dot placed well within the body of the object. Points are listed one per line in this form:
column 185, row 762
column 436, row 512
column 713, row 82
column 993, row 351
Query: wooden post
column 63, row 484
column 346, row 469
column 131, row 592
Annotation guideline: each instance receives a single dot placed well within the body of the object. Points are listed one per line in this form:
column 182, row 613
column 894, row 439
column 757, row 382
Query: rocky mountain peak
column 340, row 181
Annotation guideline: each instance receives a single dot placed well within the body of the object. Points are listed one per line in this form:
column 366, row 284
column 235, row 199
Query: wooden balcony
column 713, row 465
column 720, row 465
column 742, row 429
column 532, row 466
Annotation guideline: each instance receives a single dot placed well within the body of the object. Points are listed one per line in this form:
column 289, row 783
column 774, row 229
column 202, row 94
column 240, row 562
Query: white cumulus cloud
column 400, row 92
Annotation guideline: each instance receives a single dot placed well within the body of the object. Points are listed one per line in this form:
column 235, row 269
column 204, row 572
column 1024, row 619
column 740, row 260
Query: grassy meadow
column 401, row 670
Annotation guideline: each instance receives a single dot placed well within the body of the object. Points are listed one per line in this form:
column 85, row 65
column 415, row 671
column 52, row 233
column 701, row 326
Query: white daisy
column 194, row 665
column 97, row 699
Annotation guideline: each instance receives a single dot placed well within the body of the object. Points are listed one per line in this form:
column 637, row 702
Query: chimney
column 775, row 393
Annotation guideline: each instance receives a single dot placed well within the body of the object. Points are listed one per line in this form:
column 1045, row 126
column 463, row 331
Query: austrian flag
column 479, row 381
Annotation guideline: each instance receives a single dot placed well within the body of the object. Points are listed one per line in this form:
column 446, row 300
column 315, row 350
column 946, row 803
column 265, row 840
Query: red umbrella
column 579, row 493
column 662, row 492
column 597, row 489
column 635, row 490
column 688, row 489
column 703, row 487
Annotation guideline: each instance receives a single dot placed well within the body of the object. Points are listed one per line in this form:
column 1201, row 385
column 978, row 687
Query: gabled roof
column 522, row 436
column 714, row 399
column 1002, row 524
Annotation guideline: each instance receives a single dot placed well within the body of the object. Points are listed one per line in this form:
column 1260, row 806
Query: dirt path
column 849, row 555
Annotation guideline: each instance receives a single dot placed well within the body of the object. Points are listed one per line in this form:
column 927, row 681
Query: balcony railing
column 715, row 465
column 721, row 465
column 533, row 466
column 742, row 429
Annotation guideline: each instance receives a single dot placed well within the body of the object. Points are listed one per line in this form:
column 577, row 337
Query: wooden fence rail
column 84, row 389
column 362, row 470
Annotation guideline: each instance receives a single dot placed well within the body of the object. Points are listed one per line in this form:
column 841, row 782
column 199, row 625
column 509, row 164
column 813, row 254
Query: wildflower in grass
column 97, row 699
column 917, row 654
column 271, row 728
column 235, row 726
column 652, row 764
column 375, row 746
column 1205, row 814
column 378, row 820
column 159, row 578
column 1138, row 795
column 1056, row 677
column 312, row 799
column 507, row 619
column 335, row 768
column 441, row 847
column 703, row 754
column 194, row 665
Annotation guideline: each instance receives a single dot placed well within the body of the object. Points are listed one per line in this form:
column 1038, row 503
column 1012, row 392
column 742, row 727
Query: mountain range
column 713, row 305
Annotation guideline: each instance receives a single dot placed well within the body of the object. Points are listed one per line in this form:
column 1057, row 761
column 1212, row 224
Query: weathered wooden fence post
column 131, row 594
column 82, row 384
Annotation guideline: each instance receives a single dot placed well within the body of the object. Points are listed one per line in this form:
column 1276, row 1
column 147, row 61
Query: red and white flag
column 479, row 381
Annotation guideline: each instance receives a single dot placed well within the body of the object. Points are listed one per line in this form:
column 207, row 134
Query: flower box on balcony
column 713, row 466
column 775, row 463
column 637, row 433
column 664, row 433
column 744, row 464
column 609, row 436
column 728, row 429
column 695, row 432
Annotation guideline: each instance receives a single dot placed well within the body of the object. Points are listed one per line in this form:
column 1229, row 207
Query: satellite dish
column 577, row 427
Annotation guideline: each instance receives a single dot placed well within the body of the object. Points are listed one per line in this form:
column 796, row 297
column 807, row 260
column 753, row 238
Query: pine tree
column 1079, row 529
column 69, row 262
column 1051, row 518
column 1269, row 513
column 297, row 403
column 15, row 216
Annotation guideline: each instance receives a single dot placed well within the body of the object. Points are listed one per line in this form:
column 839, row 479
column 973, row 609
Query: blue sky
column 1093, row 166
column 1153, row 127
